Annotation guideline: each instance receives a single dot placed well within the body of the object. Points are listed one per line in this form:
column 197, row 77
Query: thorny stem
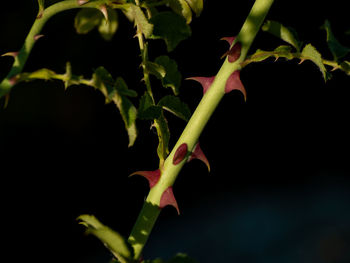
column 196, row 124
column 23, row 54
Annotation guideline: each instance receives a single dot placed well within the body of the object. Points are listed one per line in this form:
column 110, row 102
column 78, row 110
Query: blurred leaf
column 196, row 5
column 182, row 258
column 310, row 53
column 172, row 35
column 116, row 92
column 155, row 69
column 345, row 66
column 87, row 19
column 286, row 34
column 141, row 21
column 182, row 8
column 176, row 106
column 172, row 77
column 338, row 50
column 163, row 137
column 45, row 74
column 111, row 239
column 147, row 110
column 107, row 28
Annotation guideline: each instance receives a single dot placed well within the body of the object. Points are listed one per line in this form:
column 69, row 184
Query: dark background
column 278, row 189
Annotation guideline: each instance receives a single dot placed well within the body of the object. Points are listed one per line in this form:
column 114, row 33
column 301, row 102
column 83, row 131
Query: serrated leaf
column 155, row 69
column 309, row 52
column 338, row 50
column 87, row 19
column 172, row 78
column 345, row 66
column 176, row 106
column 286, row 34
column 279, row 52
column 182, row 8
column 196, row 6
column 114, row 91
column 170, row 27
column 141, row 21
column 111, row 239
column 147, row 110
column 107, row 28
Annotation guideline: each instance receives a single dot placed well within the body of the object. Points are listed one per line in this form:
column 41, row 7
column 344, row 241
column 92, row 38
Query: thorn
column 36, row 37
column 82, row 2
column 234, row 53
column 234, row 83
column 168, row 198
column 205, row 81
column 229, row 40
column 198, row 154
column 180, row 154
column 10, row 54
column 104, row 11
column 151, row 176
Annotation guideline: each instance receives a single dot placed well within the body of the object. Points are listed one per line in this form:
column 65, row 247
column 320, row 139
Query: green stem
column 23, row 54
column 196, row 124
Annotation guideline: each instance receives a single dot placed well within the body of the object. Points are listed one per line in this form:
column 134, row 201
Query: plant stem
column 196, row 124
column 23, row 54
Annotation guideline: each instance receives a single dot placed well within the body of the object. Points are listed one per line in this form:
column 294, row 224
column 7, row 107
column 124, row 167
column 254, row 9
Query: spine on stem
column 214, row 88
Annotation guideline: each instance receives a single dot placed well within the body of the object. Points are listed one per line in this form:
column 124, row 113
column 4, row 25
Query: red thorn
column 36, row 37
column 229, row 40
column 234, row 53
column 168, row 198
column 10, row 54
column 180, row 154
column 234, row 82
column 205, row 81
column 198, row 154
column 151, row 176
column 82, row 2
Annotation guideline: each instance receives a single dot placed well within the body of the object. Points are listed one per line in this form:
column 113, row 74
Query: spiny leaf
column 196, row 5
column 115, row 91
column 107, row 28
column 111, row 239
column 172, row 78
column 147, row 110
column 141, row 21
column 309, row 52
column 286, row 34
column 87, row 19
column 176, row 106
column 171, row 27
column 182, row 8
column 338, row 50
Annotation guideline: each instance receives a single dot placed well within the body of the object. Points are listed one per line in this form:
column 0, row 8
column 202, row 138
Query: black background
column 64, row 153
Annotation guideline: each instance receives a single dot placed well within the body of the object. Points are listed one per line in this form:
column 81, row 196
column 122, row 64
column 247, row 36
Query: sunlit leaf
column 141, row 21
column 44, row 74
column 116, row 92
column 111, row 239
column 176, row 106
column 107, row 28
column 309, row 52
column 286, row 34
column 196, row 5
column 171, row 27
column 182, row 8
column 338, row 50
column 172, row 78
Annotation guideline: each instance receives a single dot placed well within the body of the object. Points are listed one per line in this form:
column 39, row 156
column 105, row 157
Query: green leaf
column 286, row 34
column 172, row 78
column 182, row 8
column 345, row 66
column 107, row 28
column 45, row 74
column 141, row 21
column 155, row 69
column 111, row 239
column 196, row 5
column 116, row 92
column 176, row 106
column 87, row 19
column 310, row 53
column 338, row 50
column 172, row 35
column 147, row 110
column 182, row 258
column 163, row 137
